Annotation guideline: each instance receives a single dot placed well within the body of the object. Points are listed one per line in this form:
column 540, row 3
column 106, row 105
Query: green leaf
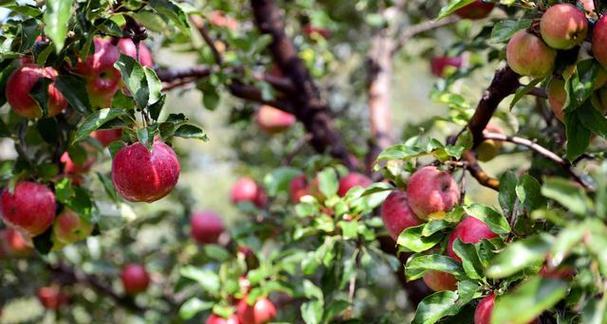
column 507, row 193
column 496, row 221
column 312, row 312
column 56, row 21
column 278, row 180
column 592, row 119
column 566, row 240
column 191, row 131
column 521, row 92
column 95, row 120
column 503, row 30
column 595, row 311
column 413, row 240
column 578, row 136
column 528, row 300
column 328, row 182
column 520, row 255
column 528, row 191
column 108, row 186
column 417, row 265
column 74, row 90
column 568, row 194
column 211, row 99
column 192, row 307
column 134, row 78
column 452, row 7
column 154, row 85
column 436, row 306
column 172, row 11
column 470, row 260
column 336, row 308
column 143, row 136
column 209, row 280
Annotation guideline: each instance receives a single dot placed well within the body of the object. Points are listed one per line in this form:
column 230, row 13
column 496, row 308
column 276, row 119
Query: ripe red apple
column 439, row 281
column 135, row 279
column 20, row 84
column 51, row 297
column 396, row 213
column 273, row 120
column 220, row 19
column 310, row 30
column 476, row 10
column 432, row 191
column 599, row 41
column 216, row 319
column 247, row 190
column 69, row 167
column 206, row 227
column 470, row 230
column 557, row 97
column 489, row 149
column 484, row 309
column 563, row 26
column 439, row 65
column 139, row 174
column 102, row 78
column 107, row 136
column 69, row 227
column 298, row 187
column 13, row 243
column 127, row 47
column 351, row 180
column 263, row 311
column 30, row 208
column 528, row 55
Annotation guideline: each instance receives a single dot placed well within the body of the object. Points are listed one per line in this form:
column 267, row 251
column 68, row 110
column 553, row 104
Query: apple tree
column 491, row 210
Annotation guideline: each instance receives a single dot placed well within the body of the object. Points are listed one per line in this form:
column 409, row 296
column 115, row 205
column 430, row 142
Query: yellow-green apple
column 102, row 78
column 69, row 227
column 396, row 213
column 247, row 190
column 470, row 230
column 140, row 53
column 206, row 227
column 30, row 208
column 351, row 180
column 599, row 41
column 432, row 192
column 441, row 65
column 135, row 279
column 52, row 297
column 489, row 149
column 20, row 85
column 563, row 26
column 439, row 280
column 528, row 55
column 477, row 10
column 273, row 120
column 145, row 175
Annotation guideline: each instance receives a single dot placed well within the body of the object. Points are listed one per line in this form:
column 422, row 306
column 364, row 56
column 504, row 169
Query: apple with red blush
column 206, row 227
column 29, row 208
column 247, row 190
column 135, row 279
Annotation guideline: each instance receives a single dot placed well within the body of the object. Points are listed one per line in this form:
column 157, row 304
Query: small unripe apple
column 107, row 136
column 30, row 208
column 51, row 297
column 351, row 180
column 476, row 10
column 396, row 213
column 13, row 243
column 528, row 55
column 206, row 227
column 127, row 47
column 489, row 149
column 135, row 279
column 470, row 230
column 216, row 319
column 20, row 84
column 263, row 311
column 102, row 78
column 563, row 26
column 484, row 309
column 440, row 65
column 247, row 190
column 273, row 120
column 298, row 187
column 439, row 280
column 432, row 191
column 557, row 97
column 69, row 227
column 139, row 174
column 599, row 41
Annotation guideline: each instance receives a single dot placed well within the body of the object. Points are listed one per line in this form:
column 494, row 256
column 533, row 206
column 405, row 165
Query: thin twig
column 426, row 26
column 200, row 25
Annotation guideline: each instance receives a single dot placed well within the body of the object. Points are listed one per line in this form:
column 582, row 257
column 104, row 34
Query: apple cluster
column 563, row 27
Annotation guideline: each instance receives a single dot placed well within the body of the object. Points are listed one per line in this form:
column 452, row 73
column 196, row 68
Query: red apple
column 144, row 56
column 482, row 314
column 220, row 19
column 310, row 30
column 247, row 190
column 51, row 297
column 139, row 174
column 439, row 281
column 588, row 5
column 69, row 167
column 206, row 227
column 107, row 136
column 431, row 192
column 353, row 179
column 30, row 208
column 102, row 78
column 396, row 213
column 528, row 55
column 439, row 65
column 135, row 279
column 470, row 230
column 563, row 26
column 216, row 319
column 20, row 84
column 69, row 227
column 273, row 120
column 298, row 187
column 557, row 97
column 263, row 311
column 13, row 243
column 476, row 10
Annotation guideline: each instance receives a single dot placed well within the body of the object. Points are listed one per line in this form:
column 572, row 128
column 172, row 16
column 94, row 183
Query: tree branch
column 199, row 23
column 478, row 173
column 414, row 30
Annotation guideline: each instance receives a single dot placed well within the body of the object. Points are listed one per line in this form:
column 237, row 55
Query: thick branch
column 193, row 72
column 253, row 94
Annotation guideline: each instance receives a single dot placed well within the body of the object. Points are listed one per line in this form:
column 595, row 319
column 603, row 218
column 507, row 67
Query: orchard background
column 303, row 161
